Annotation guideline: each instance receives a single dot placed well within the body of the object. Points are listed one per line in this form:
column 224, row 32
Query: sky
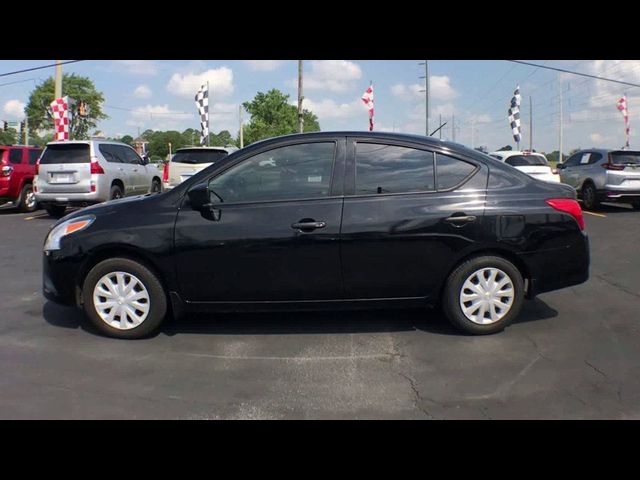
column 158, row 95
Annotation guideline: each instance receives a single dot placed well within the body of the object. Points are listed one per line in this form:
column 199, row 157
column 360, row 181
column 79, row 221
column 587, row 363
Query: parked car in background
column 604, row 175
column 17, row 171
column 531, row 163
column 81, row 173
column 324, row 220
column 190, row 160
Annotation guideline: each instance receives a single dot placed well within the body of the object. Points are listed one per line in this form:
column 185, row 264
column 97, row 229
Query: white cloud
column 142, row 91
column 137, row 67
column 329, row 75
column 598, row 138
column 186, row 85
column 14, row 108
column 330, row 109
column 441, row 89
column 264, row 65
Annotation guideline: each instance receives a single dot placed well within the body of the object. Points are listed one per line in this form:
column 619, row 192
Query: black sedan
column 324, row 220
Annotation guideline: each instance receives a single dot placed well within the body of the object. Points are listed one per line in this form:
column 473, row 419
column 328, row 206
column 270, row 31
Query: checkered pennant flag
column 514, row 115
column 202, row 102
column 60, row 110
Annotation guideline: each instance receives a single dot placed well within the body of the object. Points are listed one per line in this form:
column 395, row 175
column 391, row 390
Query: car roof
column 217, row 149
column 87, row 142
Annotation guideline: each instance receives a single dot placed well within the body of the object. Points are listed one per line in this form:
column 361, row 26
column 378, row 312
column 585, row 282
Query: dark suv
column 17, row 169
column 324, row 220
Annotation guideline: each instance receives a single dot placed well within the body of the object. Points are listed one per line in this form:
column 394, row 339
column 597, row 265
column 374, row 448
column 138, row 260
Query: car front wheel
column 483, row 295
column 124, row 299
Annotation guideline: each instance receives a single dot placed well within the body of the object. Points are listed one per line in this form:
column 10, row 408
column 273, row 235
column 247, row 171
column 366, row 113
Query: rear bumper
column 71, row 199
column 613, row 194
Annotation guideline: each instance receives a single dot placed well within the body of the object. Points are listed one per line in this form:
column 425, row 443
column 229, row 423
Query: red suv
column 17, row 169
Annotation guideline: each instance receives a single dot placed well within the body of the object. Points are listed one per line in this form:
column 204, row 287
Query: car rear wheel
column 589, row 197
column 56, row 211
column 156, row 187
column 124, row 299
column 27, row 201
column 116, row 192
column 483, row 295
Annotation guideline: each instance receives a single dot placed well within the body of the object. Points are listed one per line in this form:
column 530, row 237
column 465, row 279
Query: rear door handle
column 461, row 220
column 308, row 225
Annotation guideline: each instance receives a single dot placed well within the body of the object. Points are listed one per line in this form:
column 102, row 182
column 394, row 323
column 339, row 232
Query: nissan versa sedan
column 323, row 221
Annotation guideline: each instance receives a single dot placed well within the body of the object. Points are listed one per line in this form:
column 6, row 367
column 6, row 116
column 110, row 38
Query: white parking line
column 37, row 216
column 595, row 214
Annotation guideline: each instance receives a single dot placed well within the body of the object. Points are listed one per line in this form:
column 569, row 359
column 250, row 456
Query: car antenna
column 436, row 130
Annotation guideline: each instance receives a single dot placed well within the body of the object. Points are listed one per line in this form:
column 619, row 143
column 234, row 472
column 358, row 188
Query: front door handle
column 461, row 220
column 308, row 225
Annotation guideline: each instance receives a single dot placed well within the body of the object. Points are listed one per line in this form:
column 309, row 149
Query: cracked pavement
column 572, row 354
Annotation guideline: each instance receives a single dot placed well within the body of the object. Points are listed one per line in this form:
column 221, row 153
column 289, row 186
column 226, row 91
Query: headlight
column 65, row 228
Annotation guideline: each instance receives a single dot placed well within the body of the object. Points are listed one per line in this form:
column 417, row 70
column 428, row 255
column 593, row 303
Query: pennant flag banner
column 622, row 106
column 202, row 102
column 60, row 110
column 514, row 115
column 367, row 98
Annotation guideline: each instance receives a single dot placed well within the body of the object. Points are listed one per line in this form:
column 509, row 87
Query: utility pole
column 300, row 98
column 58, row 81
column 426, row 94
column 440, row 123
column 530, row 124
column 26, row 131
column 473, row 128
column 241, row 129
column 560, row 129
column 453, row 127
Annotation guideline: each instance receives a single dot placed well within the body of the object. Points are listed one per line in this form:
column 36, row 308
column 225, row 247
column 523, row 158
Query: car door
column 277, row 235
column 128, row 169
column 408, row 211
column 138, row 172
column 570, row 171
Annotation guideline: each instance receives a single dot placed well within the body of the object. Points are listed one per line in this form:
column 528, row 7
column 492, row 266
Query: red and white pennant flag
column 367, row 98
column 622, row 106
column 60, row 110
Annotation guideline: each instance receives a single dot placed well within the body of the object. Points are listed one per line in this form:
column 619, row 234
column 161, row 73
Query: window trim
column 350, row 175
column 334, row 166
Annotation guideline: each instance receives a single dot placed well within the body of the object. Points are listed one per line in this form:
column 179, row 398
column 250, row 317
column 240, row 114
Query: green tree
column 128, row 139
column 80, row 89
column 8, row 137
column 221, row 139
column 272, row 116
column 159, row 142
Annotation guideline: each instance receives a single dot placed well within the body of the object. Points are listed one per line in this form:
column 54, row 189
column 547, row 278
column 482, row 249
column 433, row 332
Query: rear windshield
column 199, row 156
column 625, row 158
column 526, row 160
column 70, row 153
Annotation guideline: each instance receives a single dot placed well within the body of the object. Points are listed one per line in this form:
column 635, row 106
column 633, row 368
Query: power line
column 576, row 73
column 38, row 68
column 19, row 81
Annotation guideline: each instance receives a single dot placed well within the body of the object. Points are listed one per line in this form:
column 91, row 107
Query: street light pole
column 58, row 81
column 426, row 94
column 300, row 98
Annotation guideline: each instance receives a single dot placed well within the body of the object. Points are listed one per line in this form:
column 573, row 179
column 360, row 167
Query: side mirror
column 560, row 166
column 145, row 160
column 200, row 198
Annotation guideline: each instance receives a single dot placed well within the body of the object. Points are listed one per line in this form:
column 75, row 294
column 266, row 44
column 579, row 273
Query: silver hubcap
column 486, row 296
column 31, row 199
column 121, row 300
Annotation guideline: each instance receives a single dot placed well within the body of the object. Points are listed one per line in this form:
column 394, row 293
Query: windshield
column 199, row 156
column 526, row 160
column 70, row 153
column 625, row 158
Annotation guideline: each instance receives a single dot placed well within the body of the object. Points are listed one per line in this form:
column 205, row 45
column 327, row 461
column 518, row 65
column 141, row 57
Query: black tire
column 589, row 196
column 453, row 287
column 116, row 192
column 27, row 202
column 636, row 204
column 56, row 211
column 156, row 186
column 157, row 297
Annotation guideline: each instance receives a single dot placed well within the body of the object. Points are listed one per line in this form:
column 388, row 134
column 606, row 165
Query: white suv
column 190, row 160
column 80, row 173
column 531, row 163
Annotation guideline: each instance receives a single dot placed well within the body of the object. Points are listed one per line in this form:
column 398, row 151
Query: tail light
column 37, row 167
column 612, row 166
column 6, row 170
column 96, row 168
column 554, row 171
column 570, row 206
column 165, row 173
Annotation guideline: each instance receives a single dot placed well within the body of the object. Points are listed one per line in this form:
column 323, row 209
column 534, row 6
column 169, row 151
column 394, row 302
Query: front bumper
column 59, row 274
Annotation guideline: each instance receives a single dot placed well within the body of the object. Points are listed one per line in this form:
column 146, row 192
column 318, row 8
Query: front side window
column 573, row 161
column 285, row 173
column 451, row 172
column 392, row 169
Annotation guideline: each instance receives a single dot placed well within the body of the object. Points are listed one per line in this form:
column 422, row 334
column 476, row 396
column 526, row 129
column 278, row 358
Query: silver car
column 602, row 175
column 80, row 173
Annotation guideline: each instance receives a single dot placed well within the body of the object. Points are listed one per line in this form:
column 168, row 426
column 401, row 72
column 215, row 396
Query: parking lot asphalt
column 572, row 354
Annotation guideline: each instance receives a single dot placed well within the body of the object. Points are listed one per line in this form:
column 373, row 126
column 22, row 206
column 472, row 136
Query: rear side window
column 199, row 156
column 451, row 172
column 33, row 156
column 392, row 169
column 70, row 153
column 15, row 155
column 526, row 161
column 109, row 153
